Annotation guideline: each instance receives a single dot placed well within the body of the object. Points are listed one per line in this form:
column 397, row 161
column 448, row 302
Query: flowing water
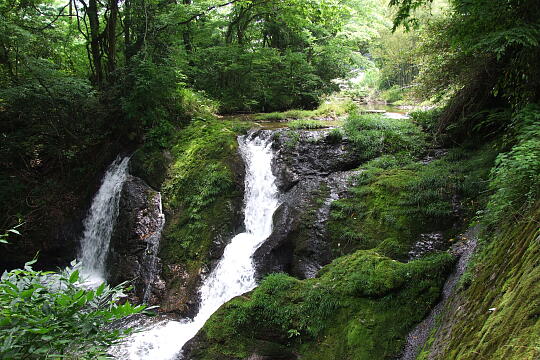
column 99, row 223
column 234, row 274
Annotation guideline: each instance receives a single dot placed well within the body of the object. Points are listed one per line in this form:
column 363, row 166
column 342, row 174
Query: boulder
column 135, row 241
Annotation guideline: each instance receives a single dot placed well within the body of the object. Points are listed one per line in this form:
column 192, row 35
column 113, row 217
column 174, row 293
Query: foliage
column 393, row 94
column 374, row 135
column 426, row 119
column 334, row 136
column 277, row 55
column 331, row 108
column 46, row 315
column 515, row 179
column 479, row 57
column 306, row 124
column 7, row 233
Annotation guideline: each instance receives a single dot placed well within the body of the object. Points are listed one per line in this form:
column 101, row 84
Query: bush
column 515, row 179
column 427, row 119
column 334, row 136
column 46, row 315
column 394, row 94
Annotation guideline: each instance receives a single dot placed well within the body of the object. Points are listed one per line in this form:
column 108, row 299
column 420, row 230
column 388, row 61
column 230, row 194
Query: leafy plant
column 515, row 179
column 47, row 315
column 374, row 135
column 7, row 233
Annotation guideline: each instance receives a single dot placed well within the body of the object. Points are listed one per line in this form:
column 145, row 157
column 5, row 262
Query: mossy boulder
column 397, row 198
column 360, row 306
column 202, row 197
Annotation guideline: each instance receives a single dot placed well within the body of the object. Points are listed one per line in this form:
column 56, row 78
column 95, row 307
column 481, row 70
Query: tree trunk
column 93, row 18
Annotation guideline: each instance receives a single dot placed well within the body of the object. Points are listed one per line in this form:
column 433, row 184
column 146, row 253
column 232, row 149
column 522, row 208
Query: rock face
column 312, row 170
column 135, row 241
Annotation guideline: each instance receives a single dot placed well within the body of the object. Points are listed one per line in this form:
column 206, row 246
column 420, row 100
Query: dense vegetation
column 81, row 81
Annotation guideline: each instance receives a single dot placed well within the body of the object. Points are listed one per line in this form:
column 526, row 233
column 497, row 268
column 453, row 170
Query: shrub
column 46, row 315
column 515, row 179
column 427, row 119
column 394, row 94
column 374, row 135
column 334, row 136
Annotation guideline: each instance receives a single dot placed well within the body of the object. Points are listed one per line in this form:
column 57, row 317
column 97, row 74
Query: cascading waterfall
column 234, row 274
column 99, row 223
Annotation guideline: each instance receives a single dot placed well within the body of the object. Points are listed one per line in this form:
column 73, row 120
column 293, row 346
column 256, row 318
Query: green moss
column 502, row 302
column 150, row 164
column 395, row 199
column 201, row 191
column 359, row 307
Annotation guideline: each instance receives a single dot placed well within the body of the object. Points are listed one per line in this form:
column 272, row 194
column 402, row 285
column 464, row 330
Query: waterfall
column 99, row 223
column 234, row 274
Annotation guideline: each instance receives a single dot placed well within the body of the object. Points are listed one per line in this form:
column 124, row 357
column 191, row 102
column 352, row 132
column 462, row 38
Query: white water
column 99, row 223
column 234, row 274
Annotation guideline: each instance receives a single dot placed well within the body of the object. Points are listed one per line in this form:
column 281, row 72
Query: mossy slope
column 498, row 315
column 396, row 198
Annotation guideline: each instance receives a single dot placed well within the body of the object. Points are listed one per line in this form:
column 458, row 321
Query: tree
column 483, row 55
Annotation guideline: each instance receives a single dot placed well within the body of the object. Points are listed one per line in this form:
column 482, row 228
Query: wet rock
column 428, row 243
column 134, row 242
column 301, row 154
column 311, row 171
column 463, row 249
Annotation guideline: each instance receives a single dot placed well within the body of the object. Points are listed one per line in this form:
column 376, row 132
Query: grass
column 306, row 124
column 375, row 135
column 330, row 108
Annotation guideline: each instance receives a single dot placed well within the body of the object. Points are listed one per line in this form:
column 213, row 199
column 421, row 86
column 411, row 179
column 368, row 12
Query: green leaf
column 74, row 277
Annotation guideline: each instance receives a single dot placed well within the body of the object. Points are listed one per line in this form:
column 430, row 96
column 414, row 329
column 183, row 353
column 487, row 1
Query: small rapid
column 235, row 272
column 99, row 223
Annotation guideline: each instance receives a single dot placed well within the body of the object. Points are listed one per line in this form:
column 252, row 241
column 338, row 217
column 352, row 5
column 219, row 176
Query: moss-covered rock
column 496, row 315
column 396, row 198
column 360, row 306
column 202, row 197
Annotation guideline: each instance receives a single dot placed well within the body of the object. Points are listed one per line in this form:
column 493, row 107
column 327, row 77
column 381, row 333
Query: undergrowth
column 306, row 124
column 374, row 135
column 332, row 108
